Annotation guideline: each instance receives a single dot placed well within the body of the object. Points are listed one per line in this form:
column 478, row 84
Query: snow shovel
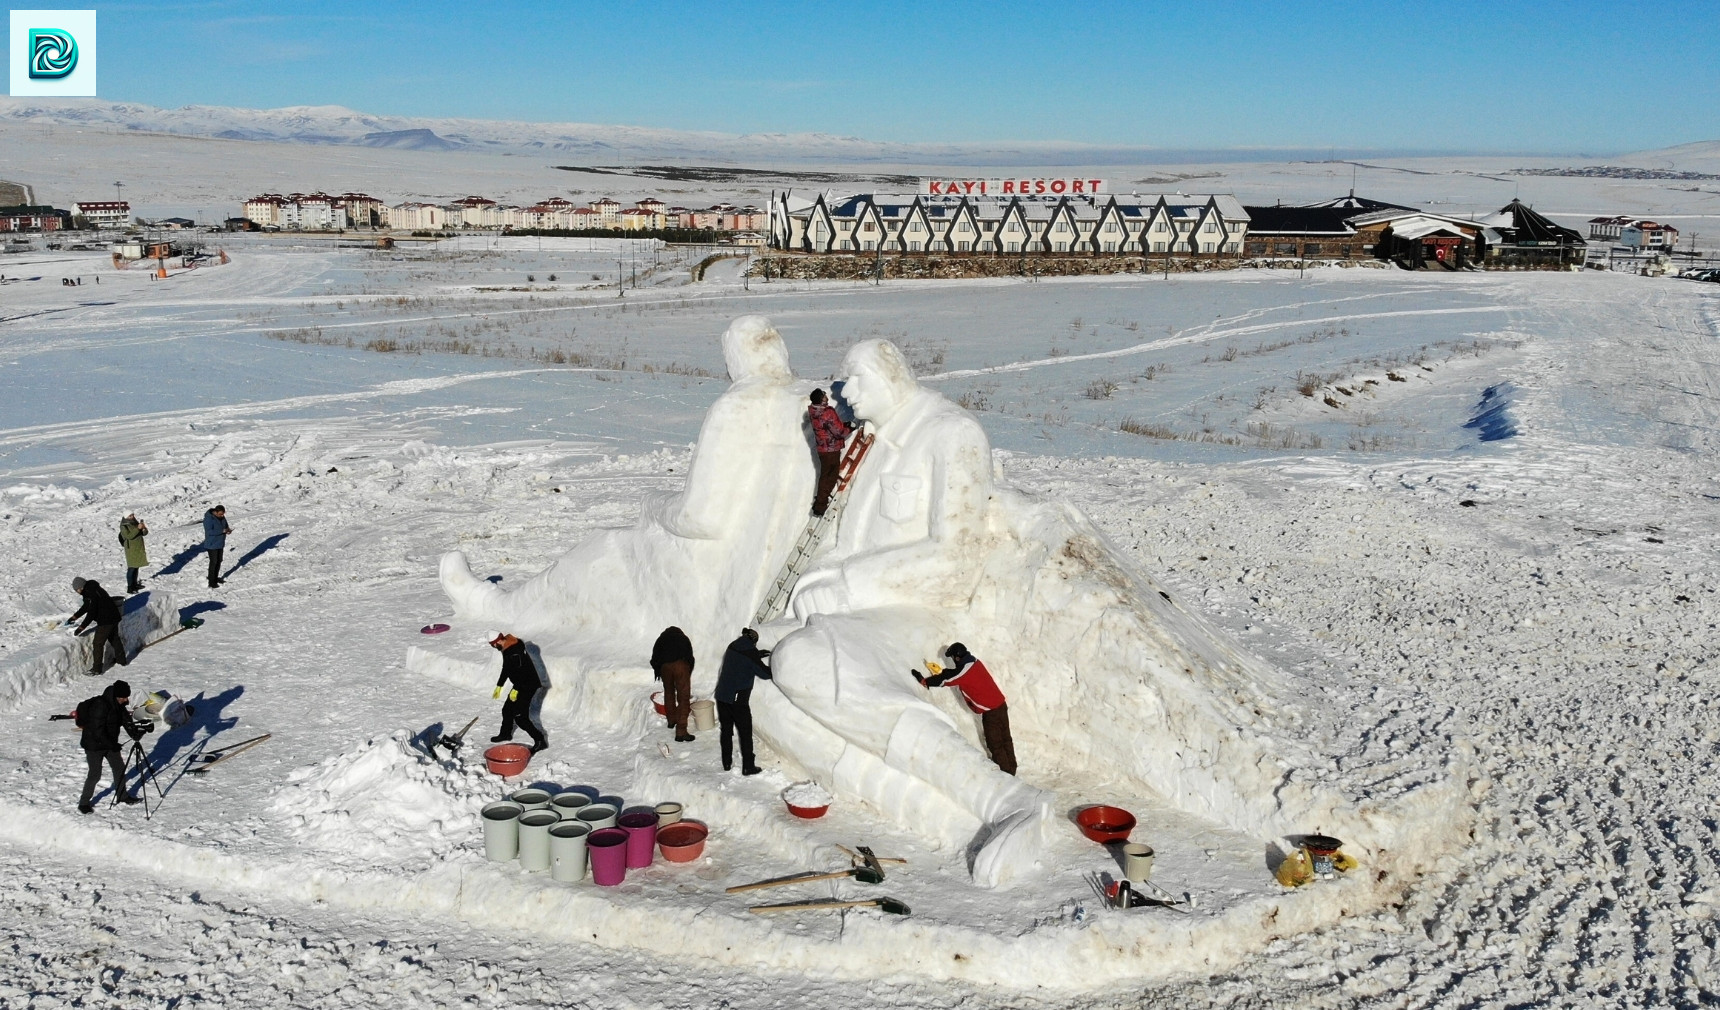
column 216, row 757
column 453, row 742
column 889, row 905
column 864, row 874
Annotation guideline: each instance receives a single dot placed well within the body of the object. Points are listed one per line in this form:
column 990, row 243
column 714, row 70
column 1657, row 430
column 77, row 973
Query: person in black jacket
column 99, row 609
column 672, row 662
column 518, row 670
column 743, row 663
column 101, row 718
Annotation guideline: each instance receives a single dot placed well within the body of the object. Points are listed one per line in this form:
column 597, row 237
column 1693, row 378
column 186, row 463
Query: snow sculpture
column 698, row 560
column 1111, row 685
column 1106, row 678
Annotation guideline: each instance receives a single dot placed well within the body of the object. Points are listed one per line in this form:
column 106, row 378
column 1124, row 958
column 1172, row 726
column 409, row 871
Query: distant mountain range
column 599, row 144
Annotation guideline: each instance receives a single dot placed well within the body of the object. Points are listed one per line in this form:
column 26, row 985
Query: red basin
column 1105, row 824
column 508, row 759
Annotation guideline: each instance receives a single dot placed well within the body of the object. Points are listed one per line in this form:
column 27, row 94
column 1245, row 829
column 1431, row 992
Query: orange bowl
column 810, row 813
column 508, row 759
column 1105, row 824
column 682, row 841
column 657, row 703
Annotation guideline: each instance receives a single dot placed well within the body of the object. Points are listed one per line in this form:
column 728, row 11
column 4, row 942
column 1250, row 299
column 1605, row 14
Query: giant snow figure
column 698, row 560
column 1111, row 685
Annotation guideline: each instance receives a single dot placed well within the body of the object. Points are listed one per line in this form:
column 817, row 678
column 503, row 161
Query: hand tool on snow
column 858, row 858
column 453, row 742
column 890, row 905
column 185, row 625
column 863, row 874
column 216, row 757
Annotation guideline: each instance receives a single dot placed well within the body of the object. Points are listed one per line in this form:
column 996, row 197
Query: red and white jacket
column 974, row 682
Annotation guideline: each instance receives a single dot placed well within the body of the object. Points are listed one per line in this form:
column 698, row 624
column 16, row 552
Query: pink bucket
column 607, row 848
column 641, row 828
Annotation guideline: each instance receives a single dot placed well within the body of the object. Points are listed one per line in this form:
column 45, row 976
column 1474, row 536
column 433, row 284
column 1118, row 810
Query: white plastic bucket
column 598, row 815
column 569, row 804
column 567, row 850
column 531, row 799
column 704, row 714
column 501, row 830
column 668, row 813
column 534, row 839
column 1137, row 862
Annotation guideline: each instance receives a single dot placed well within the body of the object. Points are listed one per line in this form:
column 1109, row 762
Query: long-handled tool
column 216, row 757
column 453, row 742
column 890, row 905
column 864, row 874
column 858, row 858
column 185, row 625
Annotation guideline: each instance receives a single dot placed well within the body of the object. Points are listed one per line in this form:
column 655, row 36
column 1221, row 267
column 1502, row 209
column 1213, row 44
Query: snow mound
column 388, row 800
column 1493, row 420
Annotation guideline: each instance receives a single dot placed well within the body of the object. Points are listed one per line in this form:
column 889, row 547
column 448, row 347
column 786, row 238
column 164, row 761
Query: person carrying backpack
column 132, row 532
column 101, row 718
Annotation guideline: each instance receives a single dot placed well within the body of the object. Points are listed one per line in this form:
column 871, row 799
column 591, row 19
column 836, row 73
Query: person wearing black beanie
column 101, row 718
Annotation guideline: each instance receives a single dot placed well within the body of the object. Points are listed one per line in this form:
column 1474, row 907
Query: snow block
column 64, row 659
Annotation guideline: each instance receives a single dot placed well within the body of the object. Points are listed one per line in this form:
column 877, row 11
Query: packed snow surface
column 1539, row 607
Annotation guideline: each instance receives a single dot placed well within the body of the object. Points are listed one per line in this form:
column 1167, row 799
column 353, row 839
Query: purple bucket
column 607, row 848
column 641, row 828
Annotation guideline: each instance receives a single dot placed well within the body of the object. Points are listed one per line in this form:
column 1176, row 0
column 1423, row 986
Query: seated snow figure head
column 753, row 349
column 878, row 380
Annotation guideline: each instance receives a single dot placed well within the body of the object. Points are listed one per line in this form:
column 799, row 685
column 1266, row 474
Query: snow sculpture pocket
column 900, row 502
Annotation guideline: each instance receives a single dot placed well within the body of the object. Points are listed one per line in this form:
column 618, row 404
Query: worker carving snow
column 698, row 560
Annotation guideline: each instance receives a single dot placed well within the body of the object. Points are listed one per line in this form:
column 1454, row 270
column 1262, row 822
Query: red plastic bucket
column 682, row 841
column 641, row 828
column 607, row 848
column 508, row 759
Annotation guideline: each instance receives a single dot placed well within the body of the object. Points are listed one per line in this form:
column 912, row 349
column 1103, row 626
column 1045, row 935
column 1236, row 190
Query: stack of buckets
column 565, row 832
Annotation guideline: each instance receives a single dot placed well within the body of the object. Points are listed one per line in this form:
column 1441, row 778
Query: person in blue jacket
column 215, row 530
column 743, row 664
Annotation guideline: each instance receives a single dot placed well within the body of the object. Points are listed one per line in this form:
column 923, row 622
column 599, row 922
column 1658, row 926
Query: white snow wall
column 68, row 659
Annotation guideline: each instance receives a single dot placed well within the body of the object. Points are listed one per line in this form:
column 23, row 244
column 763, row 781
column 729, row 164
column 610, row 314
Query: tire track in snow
column 1187, row 337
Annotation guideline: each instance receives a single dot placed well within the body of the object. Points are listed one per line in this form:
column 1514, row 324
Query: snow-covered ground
column 1506, row 558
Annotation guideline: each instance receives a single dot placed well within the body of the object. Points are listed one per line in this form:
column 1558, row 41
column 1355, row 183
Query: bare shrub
column 1228, row 355
column 974, row 399
column 383, row 345
column 1146, row 429
column 1099, row 389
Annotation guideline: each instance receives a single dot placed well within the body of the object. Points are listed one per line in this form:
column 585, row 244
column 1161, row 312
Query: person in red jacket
column 969, row 676
column 829, row 431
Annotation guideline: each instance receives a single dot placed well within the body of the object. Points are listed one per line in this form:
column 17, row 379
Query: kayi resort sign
column 1013, row 187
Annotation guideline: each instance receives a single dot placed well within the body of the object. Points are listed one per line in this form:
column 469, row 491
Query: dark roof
column 1360, row 204
column 1528, row 226
column 1300, row 220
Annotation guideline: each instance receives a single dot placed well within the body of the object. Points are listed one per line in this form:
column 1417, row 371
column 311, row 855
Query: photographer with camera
column 101, row 718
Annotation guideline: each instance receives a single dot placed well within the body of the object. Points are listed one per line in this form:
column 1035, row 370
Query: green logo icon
column 53, row 54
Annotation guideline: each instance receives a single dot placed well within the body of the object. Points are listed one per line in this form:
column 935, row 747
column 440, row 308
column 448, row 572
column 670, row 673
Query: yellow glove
column 513, row 696
column 497, row 693
column 1343, row 862
column 935, row 668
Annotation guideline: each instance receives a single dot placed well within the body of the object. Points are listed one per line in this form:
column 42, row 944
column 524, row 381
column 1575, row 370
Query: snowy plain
column 1509, row 553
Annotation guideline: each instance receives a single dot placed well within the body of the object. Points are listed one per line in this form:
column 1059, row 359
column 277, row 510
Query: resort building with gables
column 1094, row 224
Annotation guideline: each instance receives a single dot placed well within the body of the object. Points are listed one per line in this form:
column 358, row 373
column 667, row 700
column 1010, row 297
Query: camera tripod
column 138, row 759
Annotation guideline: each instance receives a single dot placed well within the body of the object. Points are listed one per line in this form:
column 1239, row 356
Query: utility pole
column 116, row 187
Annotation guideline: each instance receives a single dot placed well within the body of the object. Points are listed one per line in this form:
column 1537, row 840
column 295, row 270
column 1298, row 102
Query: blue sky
column 1583, row 77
